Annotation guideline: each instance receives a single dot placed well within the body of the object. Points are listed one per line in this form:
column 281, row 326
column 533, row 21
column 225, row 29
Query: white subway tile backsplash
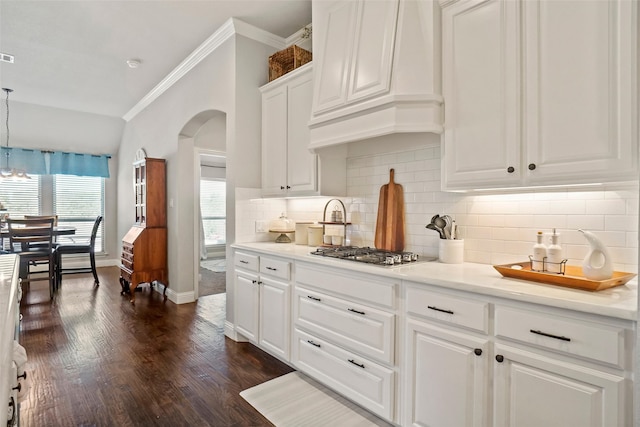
column 606, row 207
column 621, row 223
column 497, row 228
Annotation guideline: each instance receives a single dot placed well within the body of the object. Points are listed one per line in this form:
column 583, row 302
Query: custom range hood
column 376, row 70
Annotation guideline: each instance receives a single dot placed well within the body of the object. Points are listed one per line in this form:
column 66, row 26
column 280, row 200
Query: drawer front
column 448, row 308
column 127, row 263
column 127, row 255
column 125, row 274
column 365, row 382
column 357, row 327
column 246, row 261
column 595, row 341
column 127, row 247
column 275, row 267
column 367, row 289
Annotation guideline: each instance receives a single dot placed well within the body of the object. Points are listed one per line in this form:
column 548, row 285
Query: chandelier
column 7, row 172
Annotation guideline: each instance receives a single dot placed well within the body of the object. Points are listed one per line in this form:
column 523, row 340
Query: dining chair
column 77, row 249
column 32, row 240
column 45, row 217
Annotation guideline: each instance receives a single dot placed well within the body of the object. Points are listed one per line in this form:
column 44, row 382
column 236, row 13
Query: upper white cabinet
column 377, row 69
column 288, row 167
column 539, row 92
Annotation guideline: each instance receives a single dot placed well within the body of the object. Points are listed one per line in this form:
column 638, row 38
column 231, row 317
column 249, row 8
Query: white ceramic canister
column 451, row 251
column 314, row 235
column 302, row 232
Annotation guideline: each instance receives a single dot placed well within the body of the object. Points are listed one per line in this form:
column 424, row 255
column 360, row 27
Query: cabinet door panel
column 274, row 137
column 480, row 70
column 302, row 165
column 247, row 295
column 332, row 47
column 373, row 50
column 448, row 379
column 576, row 68
column 274, row 317
column 533, row 390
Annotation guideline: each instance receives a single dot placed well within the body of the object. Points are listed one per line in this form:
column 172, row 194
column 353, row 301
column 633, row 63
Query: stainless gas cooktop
column 369, row 255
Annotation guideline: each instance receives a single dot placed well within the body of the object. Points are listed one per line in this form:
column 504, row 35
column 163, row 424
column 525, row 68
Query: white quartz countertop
column 618, row 302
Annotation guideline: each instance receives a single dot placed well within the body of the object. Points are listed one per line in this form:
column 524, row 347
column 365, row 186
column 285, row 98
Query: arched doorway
column 207, row 135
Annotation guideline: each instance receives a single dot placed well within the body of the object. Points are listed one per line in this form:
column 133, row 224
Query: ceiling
column 72, row 54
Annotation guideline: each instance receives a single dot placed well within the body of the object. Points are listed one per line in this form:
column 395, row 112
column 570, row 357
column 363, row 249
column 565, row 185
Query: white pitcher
column 598, row 264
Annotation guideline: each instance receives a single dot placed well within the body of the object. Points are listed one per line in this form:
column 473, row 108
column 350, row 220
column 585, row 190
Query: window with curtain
column 213, row 196
column 78, row 200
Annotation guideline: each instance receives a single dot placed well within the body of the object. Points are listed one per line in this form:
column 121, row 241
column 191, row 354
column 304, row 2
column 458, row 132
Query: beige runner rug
column 295, row 400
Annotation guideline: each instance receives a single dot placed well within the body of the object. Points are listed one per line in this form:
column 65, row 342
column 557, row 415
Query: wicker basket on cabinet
column 280, row 63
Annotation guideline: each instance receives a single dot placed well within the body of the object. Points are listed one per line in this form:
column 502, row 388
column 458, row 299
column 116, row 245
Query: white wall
column 46, row 128
column 226, row 81
column 208, row 86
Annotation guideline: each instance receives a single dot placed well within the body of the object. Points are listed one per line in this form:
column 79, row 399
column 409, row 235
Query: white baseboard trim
column 175, row 297
column 230, row 330
column 83, row 261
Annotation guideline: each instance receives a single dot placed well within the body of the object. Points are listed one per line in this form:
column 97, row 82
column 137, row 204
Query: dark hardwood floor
column 97, row 360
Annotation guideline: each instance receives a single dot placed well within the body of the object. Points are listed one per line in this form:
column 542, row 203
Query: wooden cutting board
column 390, row 224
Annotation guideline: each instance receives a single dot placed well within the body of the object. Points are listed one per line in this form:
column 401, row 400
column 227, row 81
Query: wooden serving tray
column 572, row 278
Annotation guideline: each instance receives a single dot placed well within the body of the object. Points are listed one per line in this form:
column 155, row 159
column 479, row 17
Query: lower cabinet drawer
column 247, row 261
column 275, row 267
column 595, row 341
column 359, row 328
column 366, row 383
column 446, row 308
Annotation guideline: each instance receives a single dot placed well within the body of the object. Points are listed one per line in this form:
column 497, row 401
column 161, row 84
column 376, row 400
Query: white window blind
column 21, row 198
column 213, row 196
column 78, row 200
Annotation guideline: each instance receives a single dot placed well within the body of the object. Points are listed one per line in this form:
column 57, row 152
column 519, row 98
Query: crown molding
column 300, row 36
column 231, row 27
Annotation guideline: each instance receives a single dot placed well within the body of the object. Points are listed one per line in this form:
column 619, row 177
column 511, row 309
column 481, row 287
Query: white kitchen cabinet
column 10, row 294
column 344, row 334
column 448, row 359
column 534, row 366
column 357, row 51
column 539, row 93
column 446, row 369
column 263, row 302
column 377, row 69
column 559, row 370
column 288, row 167
column 533, row 390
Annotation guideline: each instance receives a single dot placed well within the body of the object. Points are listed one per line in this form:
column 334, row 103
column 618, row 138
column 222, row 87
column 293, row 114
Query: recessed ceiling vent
column 5, row 57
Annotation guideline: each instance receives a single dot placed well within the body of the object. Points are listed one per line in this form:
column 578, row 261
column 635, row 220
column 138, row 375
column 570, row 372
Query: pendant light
column 7, row 172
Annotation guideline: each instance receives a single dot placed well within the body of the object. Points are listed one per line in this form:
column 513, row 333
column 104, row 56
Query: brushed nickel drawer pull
column 359, row 365
column 314, row 298
column 544, row 334
column 313, row 343
column 355, row 311
column 430, row 307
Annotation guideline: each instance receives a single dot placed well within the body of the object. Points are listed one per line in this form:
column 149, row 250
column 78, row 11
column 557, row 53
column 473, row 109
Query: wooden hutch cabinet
column 144, row 247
